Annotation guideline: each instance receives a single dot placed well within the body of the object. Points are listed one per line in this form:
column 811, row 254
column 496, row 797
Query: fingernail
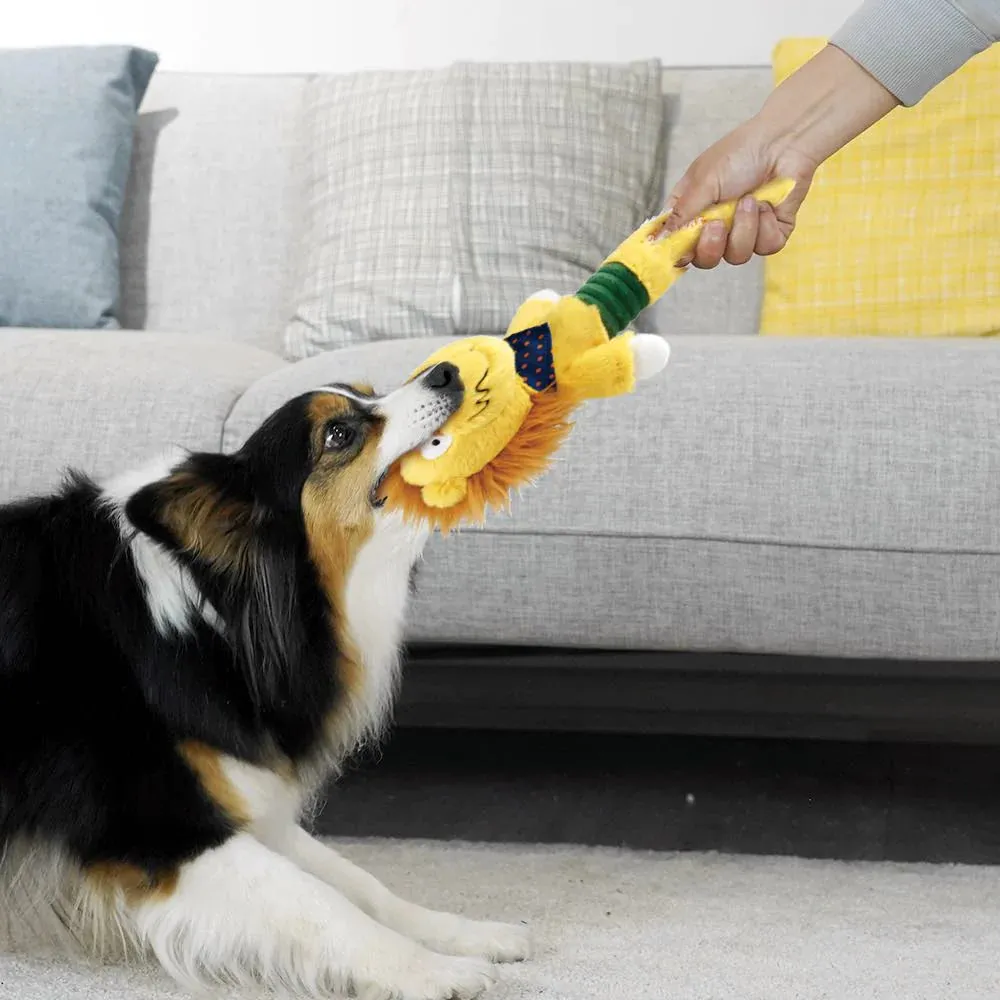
column 747, row 204
column 716, row 230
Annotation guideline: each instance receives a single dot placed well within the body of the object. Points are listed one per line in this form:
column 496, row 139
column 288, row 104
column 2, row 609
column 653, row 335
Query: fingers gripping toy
column 521, row 389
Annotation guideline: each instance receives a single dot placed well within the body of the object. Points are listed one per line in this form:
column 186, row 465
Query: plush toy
column 521, row 389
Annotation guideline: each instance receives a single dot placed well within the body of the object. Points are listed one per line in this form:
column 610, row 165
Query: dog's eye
column 338, row 436
column 436, row 447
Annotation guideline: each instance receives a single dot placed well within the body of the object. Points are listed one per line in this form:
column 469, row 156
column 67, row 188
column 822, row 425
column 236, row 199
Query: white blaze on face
column 412, row 413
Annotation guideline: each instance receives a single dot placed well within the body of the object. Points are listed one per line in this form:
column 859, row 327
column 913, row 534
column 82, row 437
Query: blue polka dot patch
column 533, row 356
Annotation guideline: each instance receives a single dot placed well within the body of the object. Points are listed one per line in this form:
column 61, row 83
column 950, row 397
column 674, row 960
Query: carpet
column 628, row 925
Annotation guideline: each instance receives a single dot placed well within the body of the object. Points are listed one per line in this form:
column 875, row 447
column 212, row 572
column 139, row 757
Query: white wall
column 341, row 35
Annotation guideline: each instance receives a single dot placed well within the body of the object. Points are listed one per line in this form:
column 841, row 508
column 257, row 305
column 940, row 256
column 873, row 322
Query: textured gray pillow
column 438, row 200
column 66, row 122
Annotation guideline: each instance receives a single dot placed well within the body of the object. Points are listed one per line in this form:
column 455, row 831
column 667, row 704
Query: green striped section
column 618, row 294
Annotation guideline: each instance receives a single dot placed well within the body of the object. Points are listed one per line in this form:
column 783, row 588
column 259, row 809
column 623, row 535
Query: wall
column 340, row 35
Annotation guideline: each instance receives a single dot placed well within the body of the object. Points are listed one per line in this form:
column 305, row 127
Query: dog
column 188, row 653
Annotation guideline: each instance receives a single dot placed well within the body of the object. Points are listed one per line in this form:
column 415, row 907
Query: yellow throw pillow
column 900, row 232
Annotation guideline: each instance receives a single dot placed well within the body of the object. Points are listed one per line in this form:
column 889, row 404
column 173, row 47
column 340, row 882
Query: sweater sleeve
column 910, row 46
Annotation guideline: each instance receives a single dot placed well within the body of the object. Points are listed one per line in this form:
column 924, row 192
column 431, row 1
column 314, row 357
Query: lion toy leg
column 612, row 369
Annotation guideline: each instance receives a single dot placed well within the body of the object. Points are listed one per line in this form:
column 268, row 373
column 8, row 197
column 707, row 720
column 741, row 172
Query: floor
column 820, row 800
column 678, row 920
column 610, row 924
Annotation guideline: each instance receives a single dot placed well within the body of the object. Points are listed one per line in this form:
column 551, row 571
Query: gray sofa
column 775, row 536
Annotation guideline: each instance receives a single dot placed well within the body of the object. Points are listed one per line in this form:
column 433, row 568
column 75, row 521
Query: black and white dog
column 186, row 655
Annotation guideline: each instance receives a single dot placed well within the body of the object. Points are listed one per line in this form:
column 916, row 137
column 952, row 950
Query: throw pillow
column 66, row 122
column 438, row 200
column 900, row 234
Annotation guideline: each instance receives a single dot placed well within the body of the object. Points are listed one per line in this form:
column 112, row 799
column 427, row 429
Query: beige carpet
column 620, row 925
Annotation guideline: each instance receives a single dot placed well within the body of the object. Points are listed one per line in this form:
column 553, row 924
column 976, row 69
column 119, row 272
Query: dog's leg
column 241, row 914
column 441, row 932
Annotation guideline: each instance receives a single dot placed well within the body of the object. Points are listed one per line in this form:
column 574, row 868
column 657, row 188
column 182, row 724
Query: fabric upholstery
column 108, row 402
column 899, row 233
column 702, row 105
column 66, row 121
column 438, row 200
column 209, row 229
column 831, row 497
column 377, row 252
column 693, row 594
column 216, row 197
column 558, row 163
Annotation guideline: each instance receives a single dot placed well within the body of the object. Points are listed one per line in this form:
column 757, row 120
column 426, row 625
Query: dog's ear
column 198, row 510
column 204, row 511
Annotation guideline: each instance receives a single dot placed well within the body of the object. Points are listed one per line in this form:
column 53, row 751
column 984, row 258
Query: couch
column 777, row 537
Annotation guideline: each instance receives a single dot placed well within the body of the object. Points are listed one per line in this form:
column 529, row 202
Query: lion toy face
column 495, row 405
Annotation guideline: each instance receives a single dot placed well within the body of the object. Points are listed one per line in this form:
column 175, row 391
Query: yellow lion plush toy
column 520, row 390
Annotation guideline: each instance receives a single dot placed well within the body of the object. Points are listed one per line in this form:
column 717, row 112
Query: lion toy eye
column 436, row 447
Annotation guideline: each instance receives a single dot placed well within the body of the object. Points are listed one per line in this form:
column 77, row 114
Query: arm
column 910, row 46
column 878, row 60
column 808, row 117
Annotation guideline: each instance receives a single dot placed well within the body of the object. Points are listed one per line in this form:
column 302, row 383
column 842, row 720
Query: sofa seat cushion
column 104, row 402
column 834, row 498
column 822, row 498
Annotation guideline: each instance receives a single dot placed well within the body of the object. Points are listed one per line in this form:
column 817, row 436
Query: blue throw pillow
column 66, row 121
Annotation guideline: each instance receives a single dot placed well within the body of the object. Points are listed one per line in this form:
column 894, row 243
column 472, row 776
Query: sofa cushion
column 900, row 234
column 212, row 208
column 558, row 163
column 438, row 200
column 706, row 595
column 830, row 498
column 702, row 105
column 66, row 120
column 105, row 403
column 213, row 205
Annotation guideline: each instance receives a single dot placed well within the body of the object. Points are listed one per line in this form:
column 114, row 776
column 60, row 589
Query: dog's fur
column 186, row 654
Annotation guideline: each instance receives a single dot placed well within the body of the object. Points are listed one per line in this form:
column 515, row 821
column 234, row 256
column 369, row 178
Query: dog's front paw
column 435, row 977
column 487, row 939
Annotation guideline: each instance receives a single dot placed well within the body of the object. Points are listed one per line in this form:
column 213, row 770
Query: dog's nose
column 443, row 376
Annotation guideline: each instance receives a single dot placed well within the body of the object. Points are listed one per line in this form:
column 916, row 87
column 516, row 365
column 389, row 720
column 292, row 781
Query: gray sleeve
column 910, row 46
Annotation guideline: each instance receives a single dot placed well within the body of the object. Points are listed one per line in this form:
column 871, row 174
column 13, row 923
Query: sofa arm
column 104, row 401
column 383, row 364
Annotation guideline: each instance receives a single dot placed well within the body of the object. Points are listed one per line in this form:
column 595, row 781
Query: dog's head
column 355, row 437
column 261, row 545
column 318, row 462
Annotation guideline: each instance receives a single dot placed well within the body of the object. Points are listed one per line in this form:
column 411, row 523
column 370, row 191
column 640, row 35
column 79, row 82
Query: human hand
column 812, row 114
column 735, row 165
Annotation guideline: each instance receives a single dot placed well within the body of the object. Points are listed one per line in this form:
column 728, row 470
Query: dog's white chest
column 375, row 600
